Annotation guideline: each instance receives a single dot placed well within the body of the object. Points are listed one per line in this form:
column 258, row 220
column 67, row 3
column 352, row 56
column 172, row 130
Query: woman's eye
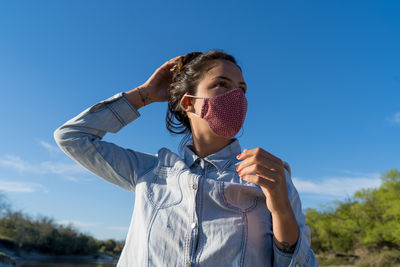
column 221, row 83
column 225, row 84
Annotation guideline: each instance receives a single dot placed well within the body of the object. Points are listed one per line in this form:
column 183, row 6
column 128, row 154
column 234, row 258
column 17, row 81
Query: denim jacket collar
column 219, row 159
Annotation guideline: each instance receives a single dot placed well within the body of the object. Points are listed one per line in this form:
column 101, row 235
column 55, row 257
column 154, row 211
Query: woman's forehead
column 223, row 68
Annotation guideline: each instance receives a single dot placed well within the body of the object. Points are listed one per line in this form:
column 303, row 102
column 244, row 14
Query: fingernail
column 240, row 173
column 237, row 168
column 238, row 156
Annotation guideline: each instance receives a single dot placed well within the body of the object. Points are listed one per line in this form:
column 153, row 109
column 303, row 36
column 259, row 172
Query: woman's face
column 221, row 77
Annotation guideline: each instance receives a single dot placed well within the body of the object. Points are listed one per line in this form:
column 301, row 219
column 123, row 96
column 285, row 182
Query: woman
column 213, row 205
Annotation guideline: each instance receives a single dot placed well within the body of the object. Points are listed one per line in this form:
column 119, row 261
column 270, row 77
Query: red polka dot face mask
column 224, row 113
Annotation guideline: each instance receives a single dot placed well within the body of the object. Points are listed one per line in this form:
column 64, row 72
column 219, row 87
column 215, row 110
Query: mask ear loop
column 195, row 114
column 194, row 97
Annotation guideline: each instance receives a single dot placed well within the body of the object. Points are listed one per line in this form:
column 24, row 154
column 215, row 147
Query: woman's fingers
column 157, row 84
column 171, row 62
column 260, row 170
column 168, row 65
column 164, row 72
column 261, row 152
column 261, row 181
column 261, row 167
column 257, row 159
column 264, row 169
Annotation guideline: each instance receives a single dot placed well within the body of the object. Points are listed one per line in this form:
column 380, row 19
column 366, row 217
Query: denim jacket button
column 194, row 186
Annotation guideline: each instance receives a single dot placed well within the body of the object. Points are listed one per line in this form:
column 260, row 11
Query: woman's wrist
column 139, row 97
column 278, row 203
column 144, row 90
column 286, row 230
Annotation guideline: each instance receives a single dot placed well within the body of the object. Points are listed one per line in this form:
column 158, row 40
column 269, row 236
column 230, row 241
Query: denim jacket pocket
column 239, row 196
column 163, row 187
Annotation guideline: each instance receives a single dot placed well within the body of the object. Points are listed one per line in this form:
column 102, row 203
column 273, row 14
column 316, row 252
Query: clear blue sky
column 323, row 89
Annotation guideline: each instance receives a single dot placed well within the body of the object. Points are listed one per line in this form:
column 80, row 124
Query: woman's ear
column 185, row 102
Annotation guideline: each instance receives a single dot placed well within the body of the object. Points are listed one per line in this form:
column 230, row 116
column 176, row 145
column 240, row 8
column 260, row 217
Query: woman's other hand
column 155, row 89
column 262, row 168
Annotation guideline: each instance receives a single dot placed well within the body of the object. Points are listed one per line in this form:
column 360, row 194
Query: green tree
column 368, row 220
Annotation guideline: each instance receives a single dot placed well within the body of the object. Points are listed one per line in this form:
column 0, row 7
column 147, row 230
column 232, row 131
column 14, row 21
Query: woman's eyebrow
column 226, row 78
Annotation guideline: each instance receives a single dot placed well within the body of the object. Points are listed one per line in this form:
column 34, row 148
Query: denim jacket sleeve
column 303, row 254
column 81, row 139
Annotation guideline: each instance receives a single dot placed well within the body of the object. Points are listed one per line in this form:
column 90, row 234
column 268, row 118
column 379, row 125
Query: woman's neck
column 204, row 147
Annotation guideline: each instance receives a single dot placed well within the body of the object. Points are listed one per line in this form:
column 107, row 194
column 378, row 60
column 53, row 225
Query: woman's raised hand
column 155, row 89
column 260, row 167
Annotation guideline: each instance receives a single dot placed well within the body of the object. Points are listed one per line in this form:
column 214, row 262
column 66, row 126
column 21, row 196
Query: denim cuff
column 300, row 256
column 281, row 258
column 120, row 107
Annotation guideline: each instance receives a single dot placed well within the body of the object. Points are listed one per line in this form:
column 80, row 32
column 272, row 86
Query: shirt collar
column 219, row 159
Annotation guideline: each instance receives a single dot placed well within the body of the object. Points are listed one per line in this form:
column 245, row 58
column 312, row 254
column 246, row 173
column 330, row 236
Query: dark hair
column 186, row 76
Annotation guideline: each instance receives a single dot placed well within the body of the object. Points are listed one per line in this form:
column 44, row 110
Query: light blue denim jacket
column 189, row 211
